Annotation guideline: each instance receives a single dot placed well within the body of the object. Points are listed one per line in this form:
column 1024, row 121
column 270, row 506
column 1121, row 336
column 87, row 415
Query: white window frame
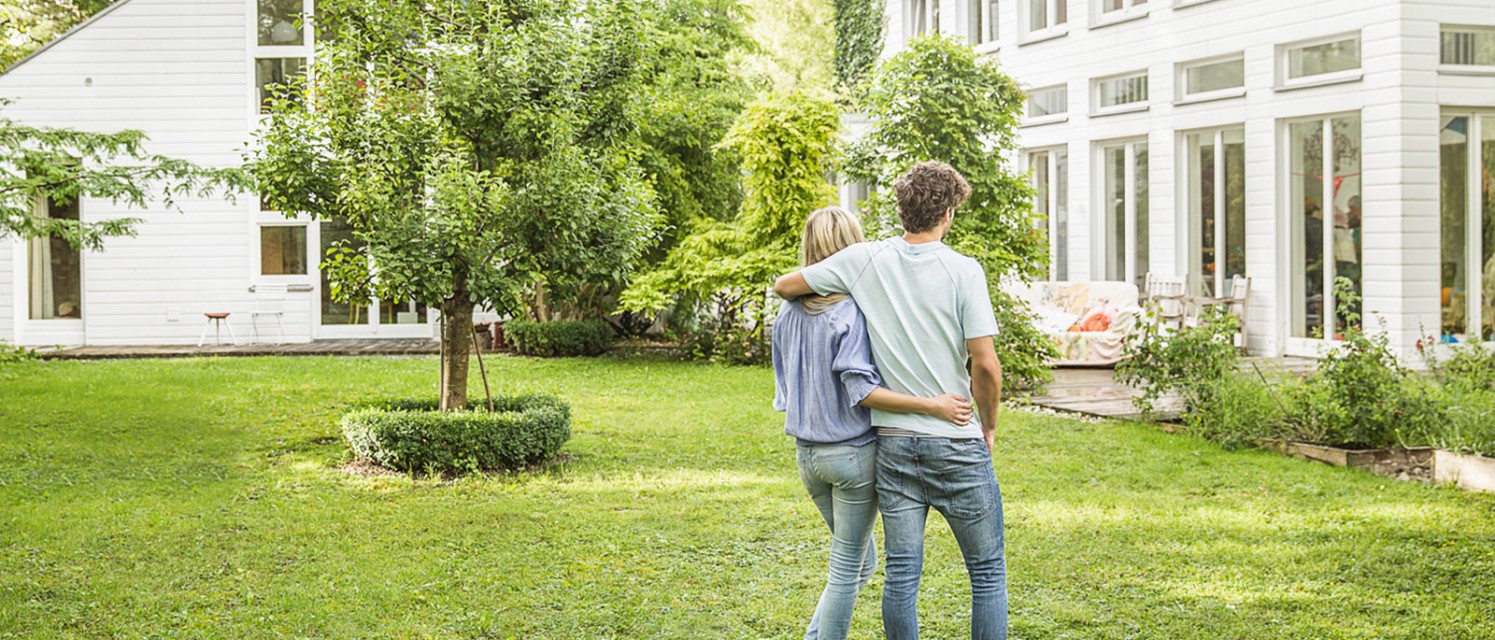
column 1051, row 158
column 979, row 20
column 1181, row 76
column 1195, row 231
column 911, row 28
column 1475, row 69
column 257, row 52
column 1060, row 116
column 1050, row 30
column 1132, row 10
column 1286, row 82
column 1473, row 224
column 1128, row 244
column 1127, row 107
column 312, row 264
column 1290, row 260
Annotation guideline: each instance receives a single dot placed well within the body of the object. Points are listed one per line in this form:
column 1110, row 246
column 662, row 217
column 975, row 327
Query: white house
column 190, row 75
column 1189, row 137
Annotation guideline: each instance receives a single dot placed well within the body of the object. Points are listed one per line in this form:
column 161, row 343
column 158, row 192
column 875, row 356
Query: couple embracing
column 877, row 356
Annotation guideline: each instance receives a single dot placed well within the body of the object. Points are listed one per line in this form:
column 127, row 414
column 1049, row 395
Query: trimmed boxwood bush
column 559, row 339
column 413, row 436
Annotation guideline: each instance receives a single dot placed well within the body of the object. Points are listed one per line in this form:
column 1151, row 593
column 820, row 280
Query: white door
column 382, row 319
column 1124, row 208
column 1467, row 230
column 1324, row 222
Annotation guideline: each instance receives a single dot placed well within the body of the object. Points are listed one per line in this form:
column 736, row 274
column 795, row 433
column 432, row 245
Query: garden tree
column 28, row 24
column 937, row 100
column 787, row 145
column 859, row 40
column 473, row 148
column 693, row 92
column 62, row 165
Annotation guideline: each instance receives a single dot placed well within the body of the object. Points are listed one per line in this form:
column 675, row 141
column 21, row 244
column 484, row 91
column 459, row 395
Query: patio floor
column 351, row 347
column 1094, row 391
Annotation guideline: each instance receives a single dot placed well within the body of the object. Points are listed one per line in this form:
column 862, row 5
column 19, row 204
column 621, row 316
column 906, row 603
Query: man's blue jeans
column 841, row 480
column 955, row 477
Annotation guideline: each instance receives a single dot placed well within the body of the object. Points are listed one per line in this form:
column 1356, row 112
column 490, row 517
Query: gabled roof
column 76, row 28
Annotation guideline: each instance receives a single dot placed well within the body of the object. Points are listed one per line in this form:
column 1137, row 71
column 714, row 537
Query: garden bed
column 1415, row 464
column 1474, row 473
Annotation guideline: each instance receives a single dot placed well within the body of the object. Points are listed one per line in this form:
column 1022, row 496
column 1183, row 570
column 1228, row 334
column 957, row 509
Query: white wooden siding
column 180, row 71
column 8, row 304
column 1398, row 100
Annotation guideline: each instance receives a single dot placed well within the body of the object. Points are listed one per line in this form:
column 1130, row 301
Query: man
column 928, row 311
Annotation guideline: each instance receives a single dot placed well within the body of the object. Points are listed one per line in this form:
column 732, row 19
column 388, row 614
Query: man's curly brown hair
column 926, row 192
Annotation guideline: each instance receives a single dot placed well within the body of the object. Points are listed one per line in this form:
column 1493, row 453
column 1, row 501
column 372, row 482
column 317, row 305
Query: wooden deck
column 1095, row 391
column 358, row 347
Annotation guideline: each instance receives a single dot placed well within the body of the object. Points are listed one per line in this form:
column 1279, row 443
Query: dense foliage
column 937, row 100
column 1187, row 362
column 497, row 155
column 1360, row 395
column 63, row 165
column 720, row 275
column 414, row 437
column 560, row 338
column 859, row 40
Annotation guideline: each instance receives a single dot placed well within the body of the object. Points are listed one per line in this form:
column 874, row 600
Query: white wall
column 1397, row 99
column 7, row 286
column 181, row 72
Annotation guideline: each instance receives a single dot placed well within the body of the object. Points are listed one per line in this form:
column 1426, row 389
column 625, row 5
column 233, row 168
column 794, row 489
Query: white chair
column 1168, row 298
column 1237, row 300
column 269, row 302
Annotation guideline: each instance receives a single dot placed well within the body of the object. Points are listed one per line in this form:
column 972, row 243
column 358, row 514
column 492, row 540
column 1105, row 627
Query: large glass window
column 283, row 250
column 923, row 17
column 55, row 269
column 1323, row 58
column 1467, row 197
column 982, row 17
column 1210, row 77
column 1111, row 6
column 1324, row 202
column 1044, row 15
column 1126, row 212
column 1051, row 203
column 337, row 233
column 1050, row 101
column 271, row 74
column 1468, row 46
column 1125, row 90
column 280, row 23
column 1217, row 209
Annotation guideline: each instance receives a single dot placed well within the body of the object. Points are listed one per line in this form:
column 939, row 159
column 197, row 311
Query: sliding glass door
column 1324, row 220
column 1467, row 229
column 1217, row 209
column 1124, row 207
column 345, row 320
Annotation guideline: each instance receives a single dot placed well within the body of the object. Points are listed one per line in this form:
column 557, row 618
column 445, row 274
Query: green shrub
column 729, row 345
column 1188, row 362
column 1242, row 409
column 1469, row 426
column 11, row 353
column 1467, row 368
column 1021, row 347
column 412, row 436
column 559, row 339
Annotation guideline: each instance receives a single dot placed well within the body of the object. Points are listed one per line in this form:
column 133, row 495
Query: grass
column 205, row 498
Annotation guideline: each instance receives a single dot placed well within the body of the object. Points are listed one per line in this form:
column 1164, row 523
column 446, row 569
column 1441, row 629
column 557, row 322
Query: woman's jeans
column 955, row 477
column 842, row 481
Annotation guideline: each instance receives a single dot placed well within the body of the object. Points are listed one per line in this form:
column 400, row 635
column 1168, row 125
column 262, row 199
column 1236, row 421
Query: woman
column 826, row 384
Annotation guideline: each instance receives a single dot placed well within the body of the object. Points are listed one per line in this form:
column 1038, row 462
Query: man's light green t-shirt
column 922, row 302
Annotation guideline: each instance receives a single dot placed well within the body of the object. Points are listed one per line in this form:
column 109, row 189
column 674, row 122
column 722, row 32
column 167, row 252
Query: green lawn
column 205, row 498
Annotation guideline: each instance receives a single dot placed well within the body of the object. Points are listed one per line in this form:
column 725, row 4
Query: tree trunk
column 456, row 349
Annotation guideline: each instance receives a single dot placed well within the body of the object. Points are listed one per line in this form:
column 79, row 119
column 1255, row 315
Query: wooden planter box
column 1474, row 473
column 1403, row 464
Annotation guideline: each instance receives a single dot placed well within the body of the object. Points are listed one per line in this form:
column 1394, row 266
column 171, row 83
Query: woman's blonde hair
column 827, row 231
